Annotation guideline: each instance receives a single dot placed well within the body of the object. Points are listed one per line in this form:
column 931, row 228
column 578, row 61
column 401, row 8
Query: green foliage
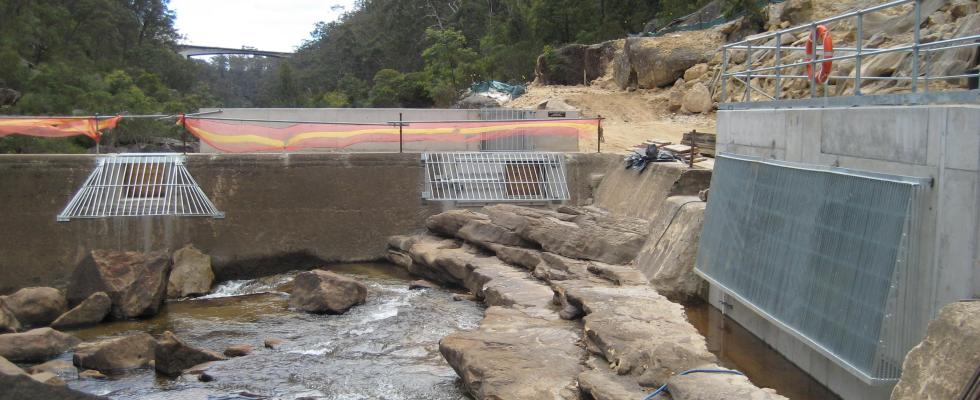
column 449, row 63
column 334, row 99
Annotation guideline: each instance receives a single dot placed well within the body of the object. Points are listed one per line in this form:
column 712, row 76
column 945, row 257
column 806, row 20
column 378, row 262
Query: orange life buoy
column 828, row 52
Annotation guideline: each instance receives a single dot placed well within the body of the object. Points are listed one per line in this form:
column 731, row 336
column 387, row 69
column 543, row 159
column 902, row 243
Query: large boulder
column 697, row 99
column 447, row 223
column 659, row 61
column 37, row 345
column 173, row 356
column 320, row 291
column 36, row 306
column 136, row 282
column 116, row 354
column 8, row 322
column 18, row 385
column 191, row 274
column 562, row 66
column 943, row 364
column 89, row 312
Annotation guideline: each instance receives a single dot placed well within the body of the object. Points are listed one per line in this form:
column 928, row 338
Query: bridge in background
column 189, row 51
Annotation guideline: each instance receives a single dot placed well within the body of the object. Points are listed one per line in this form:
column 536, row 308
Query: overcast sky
column 275, row 25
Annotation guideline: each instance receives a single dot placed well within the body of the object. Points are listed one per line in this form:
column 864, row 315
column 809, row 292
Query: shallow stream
column 385, row 349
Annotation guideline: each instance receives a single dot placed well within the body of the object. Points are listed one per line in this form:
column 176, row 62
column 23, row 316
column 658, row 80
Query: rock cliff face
column 942, row 365
column 569, row 316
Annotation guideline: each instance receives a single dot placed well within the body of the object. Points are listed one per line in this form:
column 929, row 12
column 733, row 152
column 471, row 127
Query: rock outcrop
column 90, row 311
column 942, row 365
column 238, row 350
column 191, row 274
column 18, row 385
column 60, row 368
column 659, row 61
column 115, row 354
column 320, row 291
column 562, row 66
column 8, row 322
column 136, row 282
column 36, row 345
column 173, row 356
column 35, row 306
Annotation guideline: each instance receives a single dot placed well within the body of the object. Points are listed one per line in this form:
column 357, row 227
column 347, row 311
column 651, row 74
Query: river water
column 387, row 348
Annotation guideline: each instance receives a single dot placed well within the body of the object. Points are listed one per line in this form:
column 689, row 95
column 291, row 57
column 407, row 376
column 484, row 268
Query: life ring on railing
column 828, row 52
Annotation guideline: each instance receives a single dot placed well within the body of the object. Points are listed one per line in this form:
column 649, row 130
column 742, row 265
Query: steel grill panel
column 495, row 176
column 518, row 142
column 131, row 185
column 823, row 253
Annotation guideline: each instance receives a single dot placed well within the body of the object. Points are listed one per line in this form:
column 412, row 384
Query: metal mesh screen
column 827, row 254
column 126, row 185
column 495, row 176
column 519, row 142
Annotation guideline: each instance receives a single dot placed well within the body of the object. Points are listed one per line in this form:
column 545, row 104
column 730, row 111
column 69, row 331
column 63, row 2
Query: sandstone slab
column 35, row 306
column 191, row 274
column 36, row 345
column 90, row 311
column 136, row 282
column 116, row 354
column 320, row 291
column 173, row 356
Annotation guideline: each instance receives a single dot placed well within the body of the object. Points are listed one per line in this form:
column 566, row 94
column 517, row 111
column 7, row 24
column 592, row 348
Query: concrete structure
column 189, row 51
column 386, row 115
column 283, row 212
column 941, row 142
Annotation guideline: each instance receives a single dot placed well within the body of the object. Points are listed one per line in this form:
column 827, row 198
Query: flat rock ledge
column 567, row 318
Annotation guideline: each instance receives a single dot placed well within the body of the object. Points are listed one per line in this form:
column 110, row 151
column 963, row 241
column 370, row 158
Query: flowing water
column 385, row 349
column 737, row 348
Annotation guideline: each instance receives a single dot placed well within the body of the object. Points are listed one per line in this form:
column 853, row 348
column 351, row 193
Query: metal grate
column 827, row 254
column 495, row 176
column 130, row 185
column 517, row 142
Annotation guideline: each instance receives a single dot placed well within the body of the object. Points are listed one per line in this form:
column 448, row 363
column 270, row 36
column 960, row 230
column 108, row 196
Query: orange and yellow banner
column 241, row 136
column 57, row 127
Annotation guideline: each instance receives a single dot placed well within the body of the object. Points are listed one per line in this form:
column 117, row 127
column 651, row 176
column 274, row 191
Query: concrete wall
column 283, row 211
column 385, row 115
column 941, row 142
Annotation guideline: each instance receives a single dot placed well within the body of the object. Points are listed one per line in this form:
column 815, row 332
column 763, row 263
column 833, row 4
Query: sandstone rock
column 136, row 282
column 191, row 274
column 60, row 368
column 716, row 386
column 115, row 354
column 606, row 385
column 173, row 356
column 795, row 12
column 464, row 297
column 36, row 306
column 696, row 72
column 496, row 360
column 399, row 258
column 698, row 99
column 92, row 374
column 422, row 284
column 962, row 8
column 668, row 259
column 485, row 233
column 957, row 61
column 89, row 312
column 883, row 64
column 238, row 350
column 449, row 222
column 659, row 61
column 272, row 343
column 48, row 378
column 35, row 345
column 18, row 385
column 943, row 363
column 477, row 101
column 562, row 66
column 676, row 100
column 8, row 322
column 320, row 291
column 401, row 242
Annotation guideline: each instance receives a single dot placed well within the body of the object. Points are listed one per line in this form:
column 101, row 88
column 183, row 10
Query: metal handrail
column 858, row 53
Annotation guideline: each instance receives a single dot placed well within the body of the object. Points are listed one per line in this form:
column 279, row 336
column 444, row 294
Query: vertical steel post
column 915, row 46
column 724, row 72
column 599, row 138
column 811, row 65
column 778, row 62
column 857, row 58
column 400, row 136
column 748, row 73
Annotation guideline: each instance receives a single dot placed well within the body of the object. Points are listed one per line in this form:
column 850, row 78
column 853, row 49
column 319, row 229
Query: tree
column 449, row 63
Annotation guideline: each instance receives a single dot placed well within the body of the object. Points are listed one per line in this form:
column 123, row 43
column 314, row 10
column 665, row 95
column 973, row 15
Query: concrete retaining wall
column 283, row 211
column 941, row 142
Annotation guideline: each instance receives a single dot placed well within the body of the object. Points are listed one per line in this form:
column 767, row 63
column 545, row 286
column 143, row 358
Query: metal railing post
column 400, row 137
column 748, row 74
column 778, row 63
column 811, row 65
column 724, row 71
column 915, row 46
column 857, row 59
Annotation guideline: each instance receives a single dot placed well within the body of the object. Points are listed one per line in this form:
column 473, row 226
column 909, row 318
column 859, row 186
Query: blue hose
column 663, row 389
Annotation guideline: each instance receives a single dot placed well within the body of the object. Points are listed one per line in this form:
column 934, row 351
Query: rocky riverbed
column 385, row 348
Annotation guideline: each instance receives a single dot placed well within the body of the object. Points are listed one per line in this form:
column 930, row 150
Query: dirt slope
column 631, row 117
